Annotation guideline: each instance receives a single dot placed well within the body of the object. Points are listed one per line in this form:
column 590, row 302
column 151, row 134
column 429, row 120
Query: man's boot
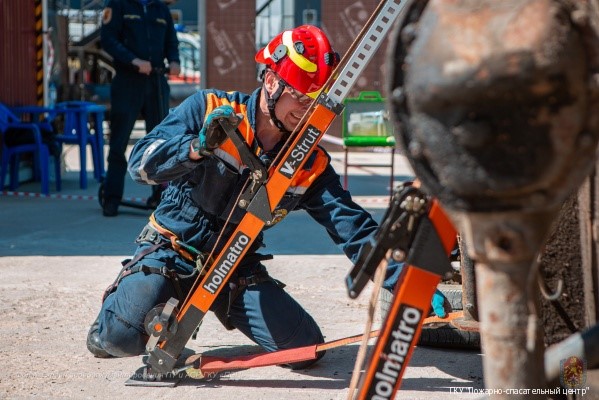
column 93, row 341
column 110, row 208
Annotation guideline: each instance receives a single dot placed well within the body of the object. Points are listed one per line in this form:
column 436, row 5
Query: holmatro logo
column 219, row 273
column 392, row 362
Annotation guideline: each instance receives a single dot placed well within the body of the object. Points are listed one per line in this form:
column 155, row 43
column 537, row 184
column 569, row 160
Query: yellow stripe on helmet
column 296, row 57
column 315, row 94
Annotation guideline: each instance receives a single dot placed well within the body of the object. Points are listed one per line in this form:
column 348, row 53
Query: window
column 275, row 16
column 272, row 17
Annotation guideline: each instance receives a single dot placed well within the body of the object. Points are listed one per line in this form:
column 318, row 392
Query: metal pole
column 511, row 336
column 469, row 298
column 505, row 246
column 203, row 42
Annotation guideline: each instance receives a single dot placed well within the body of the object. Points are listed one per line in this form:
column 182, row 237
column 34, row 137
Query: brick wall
column 230, row 44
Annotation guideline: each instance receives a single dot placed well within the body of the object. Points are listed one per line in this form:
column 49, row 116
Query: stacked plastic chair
column 19, row 137
column 78, row 117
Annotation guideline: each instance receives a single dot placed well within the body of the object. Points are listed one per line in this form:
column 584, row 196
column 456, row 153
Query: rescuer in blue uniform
column 139, row 35
column 206, row 173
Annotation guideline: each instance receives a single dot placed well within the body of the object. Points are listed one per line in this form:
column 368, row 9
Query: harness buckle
column 149, row 235
column 251, row 280
column 153, row 233
column 257, row 278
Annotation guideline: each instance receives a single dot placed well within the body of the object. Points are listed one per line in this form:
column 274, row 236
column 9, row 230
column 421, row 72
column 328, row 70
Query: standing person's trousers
column 131, row 95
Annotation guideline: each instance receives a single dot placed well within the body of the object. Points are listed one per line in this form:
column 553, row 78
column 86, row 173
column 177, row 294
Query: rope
column 378, row 282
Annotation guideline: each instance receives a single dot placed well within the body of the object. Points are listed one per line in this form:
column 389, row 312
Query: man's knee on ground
column 119, row 338
column 306, row 333
column 121, row 331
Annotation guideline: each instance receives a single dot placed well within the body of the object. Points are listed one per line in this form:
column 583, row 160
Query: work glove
column 438, row 304
column 212, row 135
column 391, row 276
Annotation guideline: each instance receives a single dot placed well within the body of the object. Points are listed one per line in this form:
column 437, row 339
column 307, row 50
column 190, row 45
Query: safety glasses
column 299, row 97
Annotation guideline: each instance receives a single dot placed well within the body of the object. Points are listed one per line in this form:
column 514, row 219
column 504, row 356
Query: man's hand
column 143, row 66
column 437, row 303
column 174, row 68
column 211, row 135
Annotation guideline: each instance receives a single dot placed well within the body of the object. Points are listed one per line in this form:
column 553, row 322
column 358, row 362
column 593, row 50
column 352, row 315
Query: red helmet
column 302, row 57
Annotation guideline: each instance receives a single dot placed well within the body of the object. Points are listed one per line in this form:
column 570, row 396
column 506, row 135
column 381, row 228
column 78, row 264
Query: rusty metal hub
column 492, row 102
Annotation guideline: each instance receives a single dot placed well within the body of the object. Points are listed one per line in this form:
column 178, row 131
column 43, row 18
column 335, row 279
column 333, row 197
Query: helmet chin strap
column 271, row 102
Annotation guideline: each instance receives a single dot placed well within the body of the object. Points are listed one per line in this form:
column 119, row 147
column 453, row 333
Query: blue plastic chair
column 77, row 115
column 11, row 153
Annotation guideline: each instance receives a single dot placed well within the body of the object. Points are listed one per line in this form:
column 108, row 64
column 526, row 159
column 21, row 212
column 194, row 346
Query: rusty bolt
column 415, row 149
column 398, row 255
column 398, row 95
column 580, row 17
column 408, row 34
column 593, row 85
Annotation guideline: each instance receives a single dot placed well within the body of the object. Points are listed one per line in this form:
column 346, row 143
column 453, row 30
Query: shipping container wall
column 20, row 52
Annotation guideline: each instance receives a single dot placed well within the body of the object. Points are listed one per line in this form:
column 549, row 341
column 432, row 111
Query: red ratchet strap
column 201, row 365
column 209, row 364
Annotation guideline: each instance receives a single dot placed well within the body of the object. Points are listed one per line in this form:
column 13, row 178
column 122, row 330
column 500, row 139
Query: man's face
column 291, row 106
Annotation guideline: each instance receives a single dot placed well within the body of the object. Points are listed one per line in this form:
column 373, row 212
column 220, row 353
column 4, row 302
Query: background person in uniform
column 205, row 174
column 139, row 35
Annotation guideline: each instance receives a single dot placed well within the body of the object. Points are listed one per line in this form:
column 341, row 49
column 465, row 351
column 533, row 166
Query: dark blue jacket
column 201, row 193
column 131, row 30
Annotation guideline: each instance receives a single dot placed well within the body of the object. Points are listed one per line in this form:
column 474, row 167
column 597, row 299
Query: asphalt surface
column 59, row 253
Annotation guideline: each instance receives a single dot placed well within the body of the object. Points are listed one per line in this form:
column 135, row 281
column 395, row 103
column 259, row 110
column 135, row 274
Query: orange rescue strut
column 264, row 194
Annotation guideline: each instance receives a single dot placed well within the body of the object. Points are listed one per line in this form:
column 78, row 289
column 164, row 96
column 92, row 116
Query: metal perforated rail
column 365, row 49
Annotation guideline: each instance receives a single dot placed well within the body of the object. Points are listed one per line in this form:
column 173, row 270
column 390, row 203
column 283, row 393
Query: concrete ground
column 59, row 253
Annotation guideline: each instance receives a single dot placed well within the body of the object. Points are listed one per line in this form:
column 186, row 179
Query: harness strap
column 154, row 233
column 129, row 269
column 271, row 102
column 126, row 266
column 174, row 277
column 180, row 247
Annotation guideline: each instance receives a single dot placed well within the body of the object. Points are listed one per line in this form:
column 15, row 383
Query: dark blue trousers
column 264, row 312
column 131, row 95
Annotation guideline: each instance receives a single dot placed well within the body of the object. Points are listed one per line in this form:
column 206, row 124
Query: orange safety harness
column 179, row 246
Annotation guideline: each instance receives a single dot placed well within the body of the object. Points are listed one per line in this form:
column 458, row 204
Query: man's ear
column 270, row 81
